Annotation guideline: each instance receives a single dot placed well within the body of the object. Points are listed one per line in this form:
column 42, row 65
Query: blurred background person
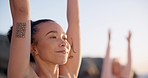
column 113, row 68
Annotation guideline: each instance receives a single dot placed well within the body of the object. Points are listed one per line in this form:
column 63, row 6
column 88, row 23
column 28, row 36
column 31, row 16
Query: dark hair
column 34, row 30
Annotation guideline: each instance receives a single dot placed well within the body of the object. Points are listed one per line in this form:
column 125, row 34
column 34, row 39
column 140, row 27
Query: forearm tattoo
column 20, row 30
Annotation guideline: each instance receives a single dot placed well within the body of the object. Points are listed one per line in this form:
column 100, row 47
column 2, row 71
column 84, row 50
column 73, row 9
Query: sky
column 96, row 17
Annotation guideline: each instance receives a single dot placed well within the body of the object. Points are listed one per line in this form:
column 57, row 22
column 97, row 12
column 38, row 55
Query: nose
column 63, row 43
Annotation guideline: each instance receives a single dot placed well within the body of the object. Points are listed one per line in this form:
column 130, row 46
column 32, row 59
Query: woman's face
column 116, row 68
column 52, row 45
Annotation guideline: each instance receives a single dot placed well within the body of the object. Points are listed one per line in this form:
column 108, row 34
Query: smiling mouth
column 62, row 51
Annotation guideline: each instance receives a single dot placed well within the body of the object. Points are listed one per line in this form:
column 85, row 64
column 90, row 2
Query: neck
column 47, row 70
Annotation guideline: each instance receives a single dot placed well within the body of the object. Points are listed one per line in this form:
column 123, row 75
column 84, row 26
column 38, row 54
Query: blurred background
column 97, row 16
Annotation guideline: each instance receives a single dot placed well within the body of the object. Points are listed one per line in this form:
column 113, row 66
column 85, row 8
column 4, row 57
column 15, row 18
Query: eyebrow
column 51, row 32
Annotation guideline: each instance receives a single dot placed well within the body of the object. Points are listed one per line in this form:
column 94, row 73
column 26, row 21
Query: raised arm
column 18, row 66
column 128, row 65
column 106, row 70
column 73, row 65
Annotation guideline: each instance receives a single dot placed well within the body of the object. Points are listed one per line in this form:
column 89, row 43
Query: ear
column 34, row 50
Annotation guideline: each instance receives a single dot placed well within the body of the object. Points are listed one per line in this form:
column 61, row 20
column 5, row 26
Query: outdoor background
column 96, row 17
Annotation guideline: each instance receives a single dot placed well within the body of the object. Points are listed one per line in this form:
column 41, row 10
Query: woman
column 114, row 69
column 46, row 41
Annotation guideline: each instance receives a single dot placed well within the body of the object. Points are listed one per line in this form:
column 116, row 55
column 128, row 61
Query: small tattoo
column 20, row 30
column 72, row 48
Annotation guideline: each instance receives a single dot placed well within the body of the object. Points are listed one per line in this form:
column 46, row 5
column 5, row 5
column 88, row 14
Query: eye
column 53, row 37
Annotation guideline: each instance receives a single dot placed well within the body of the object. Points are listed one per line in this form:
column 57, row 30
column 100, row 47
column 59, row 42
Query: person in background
column 113, row 69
